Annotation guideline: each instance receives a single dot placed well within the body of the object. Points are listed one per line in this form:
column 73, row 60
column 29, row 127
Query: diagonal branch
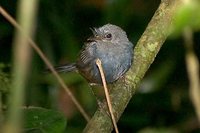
column 144, row 54
column 46, row 61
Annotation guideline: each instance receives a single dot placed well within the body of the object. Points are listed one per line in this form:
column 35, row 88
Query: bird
column 108, row 43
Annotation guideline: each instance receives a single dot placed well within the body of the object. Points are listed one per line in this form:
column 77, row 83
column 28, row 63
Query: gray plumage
column 110, row 44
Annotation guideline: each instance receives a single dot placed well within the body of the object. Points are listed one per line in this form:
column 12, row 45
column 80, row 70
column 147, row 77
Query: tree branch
column 144, row 54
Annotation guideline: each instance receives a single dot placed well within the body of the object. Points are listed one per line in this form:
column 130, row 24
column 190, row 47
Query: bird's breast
column 115, row 62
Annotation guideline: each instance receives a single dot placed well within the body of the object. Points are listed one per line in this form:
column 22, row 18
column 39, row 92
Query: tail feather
column 66, row 68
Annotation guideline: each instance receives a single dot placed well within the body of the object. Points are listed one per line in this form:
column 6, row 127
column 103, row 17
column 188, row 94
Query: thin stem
column 47, row 62
column 26, row 12
column 192, row 64
column 99, row 64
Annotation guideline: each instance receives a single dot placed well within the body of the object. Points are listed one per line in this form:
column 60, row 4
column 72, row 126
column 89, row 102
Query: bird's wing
column 87, row 53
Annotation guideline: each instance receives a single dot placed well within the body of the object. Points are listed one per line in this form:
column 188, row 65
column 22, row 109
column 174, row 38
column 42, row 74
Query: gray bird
column 108, row 43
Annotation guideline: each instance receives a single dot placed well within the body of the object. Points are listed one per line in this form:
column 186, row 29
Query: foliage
column 4, row 79
column 42, row 120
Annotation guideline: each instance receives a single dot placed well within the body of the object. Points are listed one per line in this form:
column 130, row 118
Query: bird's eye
column 108, row 36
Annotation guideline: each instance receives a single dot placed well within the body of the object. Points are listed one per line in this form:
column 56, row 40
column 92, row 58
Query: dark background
column 162, row 101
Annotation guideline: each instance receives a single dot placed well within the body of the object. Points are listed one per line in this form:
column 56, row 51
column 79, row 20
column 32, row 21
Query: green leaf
column 40, row 120
column 187, row 15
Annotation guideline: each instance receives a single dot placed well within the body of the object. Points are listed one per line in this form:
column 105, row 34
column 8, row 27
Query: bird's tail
column 66, row 68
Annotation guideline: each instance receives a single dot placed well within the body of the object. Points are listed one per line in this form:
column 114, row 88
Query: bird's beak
column 94, row 31
column 96, row 35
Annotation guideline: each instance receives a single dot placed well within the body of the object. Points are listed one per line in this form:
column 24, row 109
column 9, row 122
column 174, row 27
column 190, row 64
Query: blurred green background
column 161, row 103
